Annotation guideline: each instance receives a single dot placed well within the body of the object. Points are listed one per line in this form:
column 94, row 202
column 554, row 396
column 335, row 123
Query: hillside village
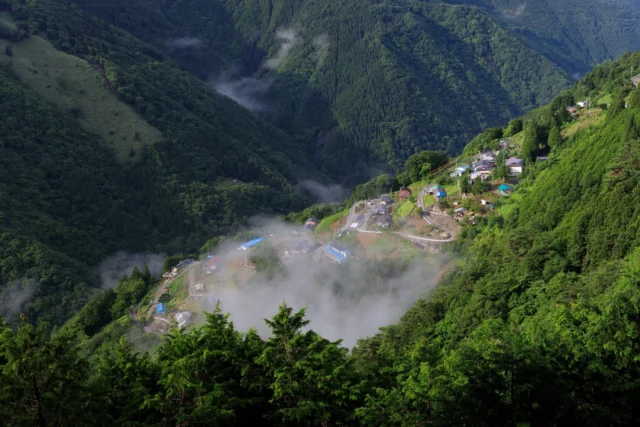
column 422, row 217
column 415, row 219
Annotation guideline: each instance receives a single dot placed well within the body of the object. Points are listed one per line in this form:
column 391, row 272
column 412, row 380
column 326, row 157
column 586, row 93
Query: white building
column 515, row 165
column 183, row 318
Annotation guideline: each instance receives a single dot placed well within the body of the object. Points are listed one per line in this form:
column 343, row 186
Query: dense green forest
column 68, row 202
column 537, row 324
column 372, row 82
column 574, row 34
column 364, row 83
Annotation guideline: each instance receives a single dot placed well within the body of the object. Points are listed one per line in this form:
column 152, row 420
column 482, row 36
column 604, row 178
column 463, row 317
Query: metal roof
column 251, row 243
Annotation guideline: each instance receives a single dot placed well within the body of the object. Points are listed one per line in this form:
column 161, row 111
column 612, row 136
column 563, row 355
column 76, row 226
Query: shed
column 636, row 80
column 160, row 308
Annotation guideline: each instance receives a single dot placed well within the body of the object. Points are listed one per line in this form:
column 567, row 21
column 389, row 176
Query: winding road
column 362, row 226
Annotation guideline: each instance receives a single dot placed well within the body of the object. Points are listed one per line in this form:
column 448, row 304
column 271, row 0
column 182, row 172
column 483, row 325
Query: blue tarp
column 160, row 308
column 504, row 187
column 251, row 243
column 441, row 194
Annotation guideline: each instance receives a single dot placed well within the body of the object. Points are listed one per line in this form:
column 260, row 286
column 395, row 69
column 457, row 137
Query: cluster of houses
column 380, row 212
column 485, row 164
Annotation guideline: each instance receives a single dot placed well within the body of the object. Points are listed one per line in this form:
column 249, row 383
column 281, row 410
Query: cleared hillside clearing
column 77, row 88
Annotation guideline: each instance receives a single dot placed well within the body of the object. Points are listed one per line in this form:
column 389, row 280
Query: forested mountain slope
column 70, row 199
column 378, row 81
column 537, row 325
column 575, row 34
column 367, row 81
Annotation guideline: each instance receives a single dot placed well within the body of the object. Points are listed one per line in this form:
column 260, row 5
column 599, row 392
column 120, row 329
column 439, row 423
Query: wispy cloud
column 288, row 40
column 114, row 267
column 348, row 302
column 184, row 42
column 324, row 193
column 14, row 296
column 321, row 44
column 250, row 91
column 246, row 91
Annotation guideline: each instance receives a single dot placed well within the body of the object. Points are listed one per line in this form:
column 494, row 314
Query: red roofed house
column 404, row 193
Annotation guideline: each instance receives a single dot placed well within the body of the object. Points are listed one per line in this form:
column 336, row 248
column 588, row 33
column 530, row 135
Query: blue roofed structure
column 336, row 255
column 184, row 263
column 505, row 189
column 250, row 244
column 160, row 309
column 338, row 252
column 441, row 194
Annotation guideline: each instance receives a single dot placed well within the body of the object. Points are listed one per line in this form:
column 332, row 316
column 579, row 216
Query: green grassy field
column 178, row 291
column 593, row 117
column 403, row 210
column 605, row 99
column 326, row 222
column 429, row 200
column 77, row 88
column 385, row 245
column 451, row 189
